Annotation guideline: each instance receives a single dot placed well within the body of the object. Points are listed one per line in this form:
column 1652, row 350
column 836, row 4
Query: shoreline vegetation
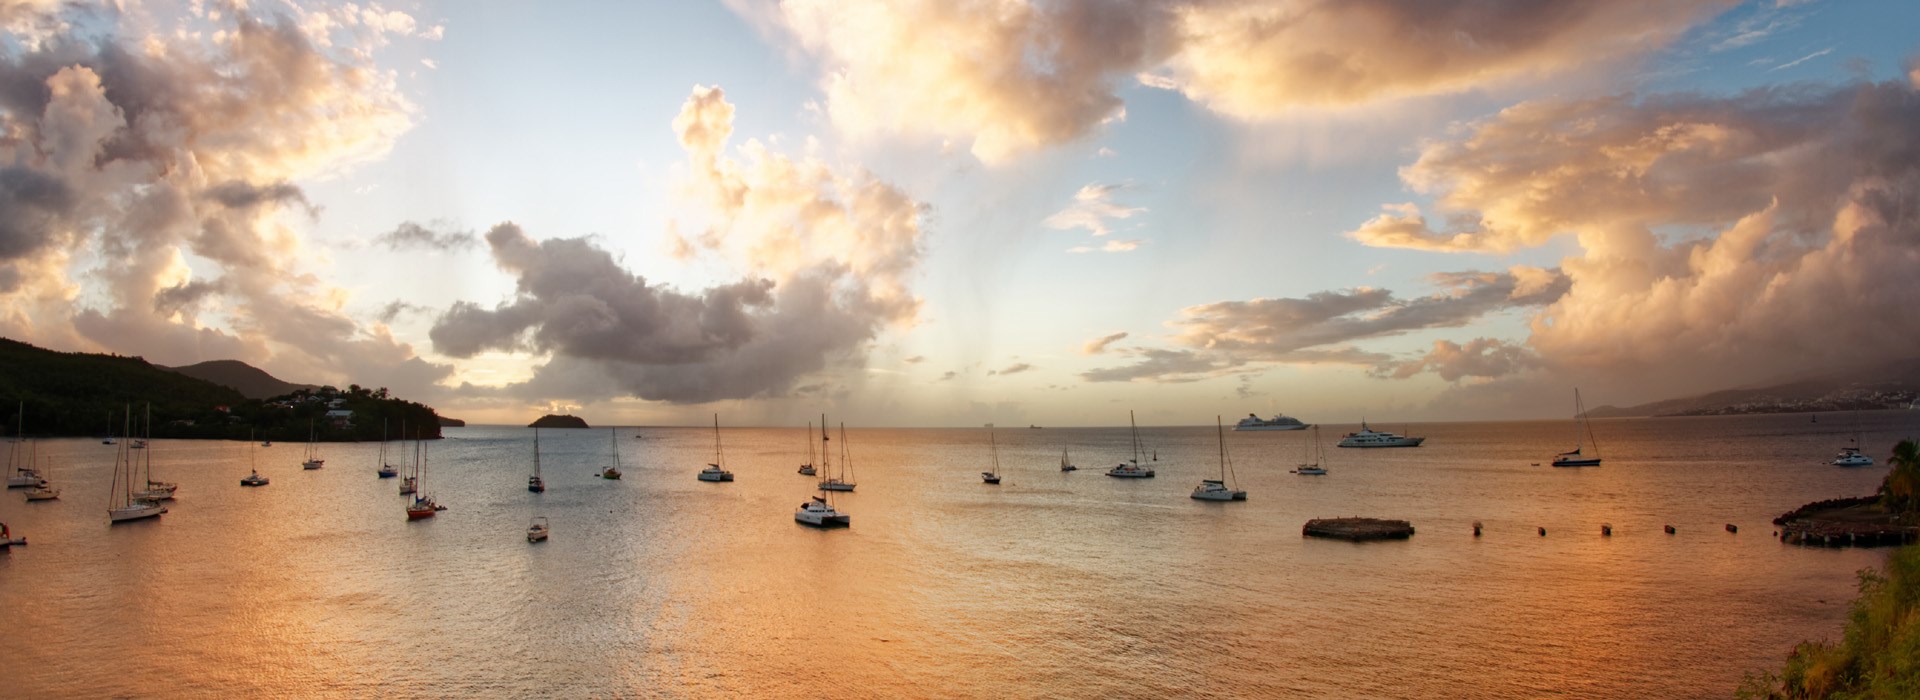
column 1878, row 654
column 73, row 394
column 562, row 421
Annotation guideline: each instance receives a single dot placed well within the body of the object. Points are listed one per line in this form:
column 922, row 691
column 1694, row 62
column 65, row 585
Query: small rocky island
column 1358, row 529
column 1890, row 517
column 553, row 421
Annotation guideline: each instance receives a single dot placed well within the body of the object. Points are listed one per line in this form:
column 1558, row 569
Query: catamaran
column 1131, row 469
column 1318, row 454
column 714, row 472
column 1574, row 457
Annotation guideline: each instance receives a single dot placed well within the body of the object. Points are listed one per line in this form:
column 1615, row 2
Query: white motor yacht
column 819, row 513
column 1368, row 437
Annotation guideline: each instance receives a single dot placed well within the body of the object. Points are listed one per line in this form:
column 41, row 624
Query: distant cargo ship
column 1279, row 422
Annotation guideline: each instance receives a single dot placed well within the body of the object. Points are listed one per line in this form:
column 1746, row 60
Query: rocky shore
column 1358, row 529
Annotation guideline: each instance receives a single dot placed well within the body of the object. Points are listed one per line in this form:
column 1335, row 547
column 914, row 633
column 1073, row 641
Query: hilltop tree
column 1902, row 485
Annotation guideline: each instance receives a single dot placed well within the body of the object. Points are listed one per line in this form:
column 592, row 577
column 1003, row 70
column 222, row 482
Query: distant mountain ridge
column 1893, row 385
column 252, row 382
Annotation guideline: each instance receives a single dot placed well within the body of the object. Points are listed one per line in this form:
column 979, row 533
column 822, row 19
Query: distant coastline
column 562, row 421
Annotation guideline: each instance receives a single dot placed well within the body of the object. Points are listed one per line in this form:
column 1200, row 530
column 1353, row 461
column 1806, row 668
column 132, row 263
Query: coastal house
column 340, row 418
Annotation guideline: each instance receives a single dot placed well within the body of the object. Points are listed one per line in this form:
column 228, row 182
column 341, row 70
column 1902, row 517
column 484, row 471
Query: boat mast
column 809, row 443
column 718, row 460
column 1136, row 437
column 995, row 446
column 846, row 458
column 1580, row 412
column 1220, row 432
column 147, row 455
column 536, row 452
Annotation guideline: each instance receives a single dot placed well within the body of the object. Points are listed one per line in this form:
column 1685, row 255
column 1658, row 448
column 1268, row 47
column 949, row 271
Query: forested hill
column 85, row 394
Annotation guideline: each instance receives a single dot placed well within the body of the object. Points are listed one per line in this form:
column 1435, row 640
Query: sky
column 936, row 213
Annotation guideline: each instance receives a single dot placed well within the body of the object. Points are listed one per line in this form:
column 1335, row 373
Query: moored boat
column 714, row 472
column 1368, row 437
column 819, row 513
column 1217, row 489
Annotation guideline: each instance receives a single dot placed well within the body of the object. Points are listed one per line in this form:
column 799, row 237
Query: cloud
column 412, row 235
column 148, row 187
column 1121, row 246
column 1014, row 368
column 1322, row 327
column 1722, row 240
column 1099, row 345
column 828, row 257
column 395, row 308
column 1012, row 77
column 948, row 375
column 1480, row 357
column 1802, row 59
column 916, row 359
column 1092, row 209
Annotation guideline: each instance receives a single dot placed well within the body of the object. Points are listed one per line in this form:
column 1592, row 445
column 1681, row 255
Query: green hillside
column 85, row 394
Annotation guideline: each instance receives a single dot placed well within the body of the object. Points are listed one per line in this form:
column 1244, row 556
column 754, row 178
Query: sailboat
column 125, row 506
column 612, row 472
column 819, row 512
column 45, row 490
column 411, row 482
column 313, row 457
column 807, row 469
column 1066, row 465
column 109, row 438
column 1851, row 456
column 387, row 471
column 254, row 479
column 1217, row 489
column 1574, row 457
column 1319, row 454
column 993, row 476
column 1131, row 469
column 714, row 472
column 843, row 481
column 155, row 490
column 535, row 483
column 19, row 472
column 537, row 529
column 423, row 505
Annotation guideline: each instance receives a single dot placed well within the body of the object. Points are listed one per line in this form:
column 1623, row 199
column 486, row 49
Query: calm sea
column 1051, row 584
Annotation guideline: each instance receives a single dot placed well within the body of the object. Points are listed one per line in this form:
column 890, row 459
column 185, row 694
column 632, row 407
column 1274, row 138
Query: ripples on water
column 1056, row 584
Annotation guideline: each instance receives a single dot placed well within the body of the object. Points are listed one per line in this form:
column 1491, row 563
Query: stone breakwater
column 1358, row 529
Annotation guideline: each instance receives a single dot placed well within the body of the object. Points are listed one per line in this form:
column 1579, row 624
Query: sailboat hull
column 990, row 478
column 313, row 464
column 135, row 512
column 1220, row 495
column 821, row 521
column 1594, row 462
column 420, row 513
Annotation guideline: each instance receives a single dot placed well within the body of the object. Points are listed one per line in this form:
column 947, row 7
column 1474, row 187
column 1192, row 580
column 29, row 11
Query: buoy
column 1732, row 527
column 1476, row 528
column 1543, row 532
column 1606, row 530
column 1669, row 529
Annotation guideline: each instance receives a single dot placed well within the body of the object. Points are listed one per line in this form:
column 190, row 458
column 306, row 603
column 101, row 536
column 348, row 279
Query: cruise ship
column 1279, row 422
column 1368, row 437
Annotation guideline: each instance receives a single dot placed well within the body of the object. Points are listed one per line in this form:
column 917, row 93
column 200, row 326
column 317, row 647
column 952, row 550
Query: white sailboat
column 45, row 490
column 843, row 481
column 422, row 505
column 155, row 490
column 313, row 460
column 536, row 484
column 253, row 479
column 1575, row 457
column 1319, row 456
column 20, row 474
column 714, row 472
column 410, row 483
column 612, row 471
column 992, row 476
column 1217, row 489
column 1066, row 465
column 1131, row 469
column 387, row 471
column 807, row 469
column 1851, row 456
column 124, row 506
